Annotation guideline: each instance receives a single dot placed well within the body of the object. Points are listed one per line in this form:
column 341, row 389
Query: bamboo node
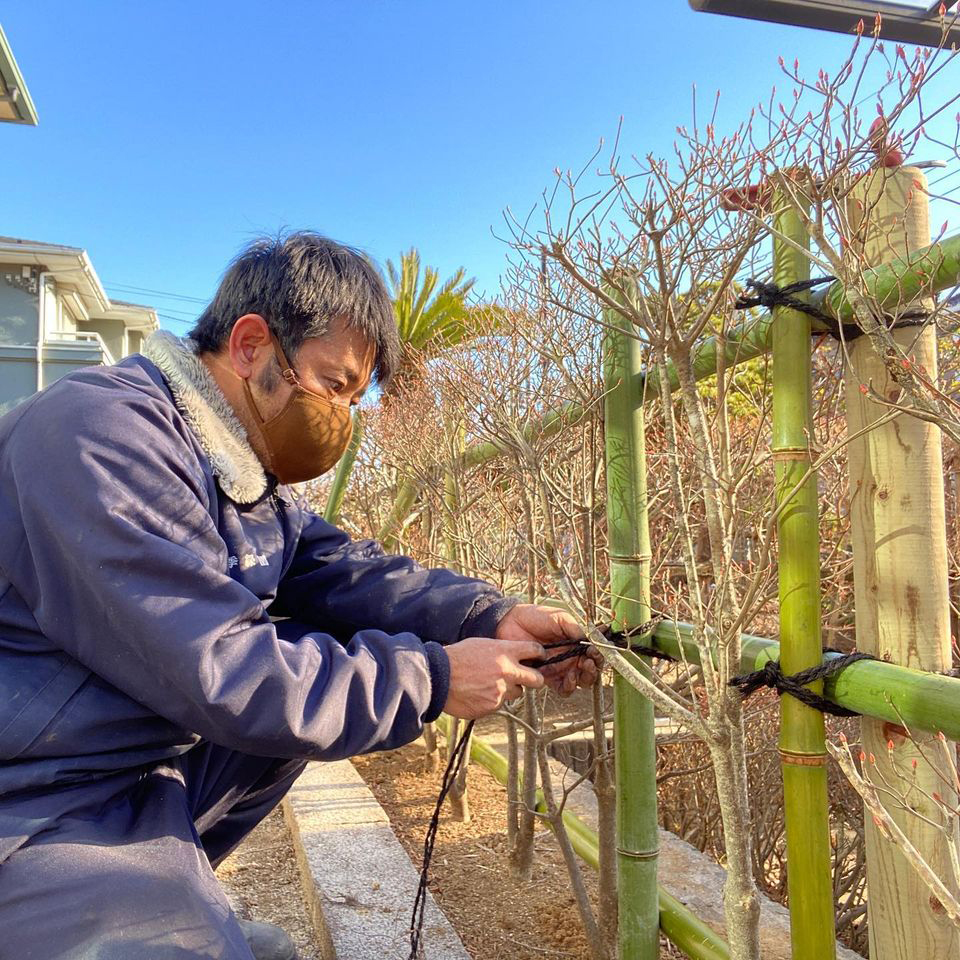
column 793, row 453
column 803, row 759
column 631, row 557
column 640, row 854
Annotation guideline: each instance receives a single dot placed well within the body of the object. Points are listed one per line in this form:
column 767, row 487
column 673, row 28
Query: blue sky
column 170, row 133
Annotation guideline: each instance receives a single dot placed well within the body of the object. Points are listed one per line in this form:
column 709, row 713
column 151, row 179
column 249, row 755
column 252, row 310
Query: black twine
column 622, row 640
column 770, row 295
column 457, row 756
column 770, row 675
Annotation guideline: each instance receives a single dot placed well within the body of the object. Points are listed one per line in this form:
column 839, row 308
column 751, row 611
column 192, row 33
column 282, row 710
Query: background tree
column 430, row 315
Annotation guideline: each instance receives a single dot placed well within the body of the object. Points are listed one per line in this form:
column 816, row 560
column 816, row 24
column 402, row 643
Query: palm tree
column 430, row 316
column 428, row 320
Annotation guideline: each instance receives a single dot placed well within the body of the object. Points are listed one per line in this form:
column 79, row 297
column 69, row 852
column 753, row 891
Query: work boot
column 267, row 941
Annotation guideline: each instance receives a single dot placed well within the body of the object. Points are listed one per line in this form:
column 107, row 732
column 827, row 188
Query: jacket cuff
column 486, row 614
column 439, row 664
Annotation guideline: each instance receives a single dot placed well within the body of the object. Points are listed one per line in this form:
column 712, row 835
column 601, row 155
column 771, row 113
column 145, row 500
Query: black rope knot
column 771, row 675
column 622, row 640
column 770, row 295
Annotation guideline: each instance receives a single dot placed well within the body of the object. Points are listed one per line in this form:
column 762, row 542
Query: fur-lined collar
column 210, row 416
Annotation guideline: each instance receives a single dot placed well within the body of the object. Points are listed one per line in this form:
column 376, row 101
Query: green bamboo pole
column 634, row 736
column 802, row 751
column 874, row 688
column 344, row 468
column 406, row 498
column 679, row 924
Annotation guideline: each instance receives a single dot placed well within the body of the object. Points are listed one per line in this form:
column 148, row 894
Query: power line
column 160, row 293
column 183, row 313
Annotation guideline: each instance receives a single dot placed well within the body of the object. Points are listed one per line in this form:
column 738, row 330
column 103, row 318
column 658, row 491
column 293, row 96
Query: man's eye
column 336, row 385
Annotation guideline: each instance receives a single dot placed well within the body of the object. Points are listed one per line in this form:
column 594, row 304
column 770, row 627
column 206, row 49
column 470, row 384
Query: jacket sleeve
column 124, row 569
column 349, row 584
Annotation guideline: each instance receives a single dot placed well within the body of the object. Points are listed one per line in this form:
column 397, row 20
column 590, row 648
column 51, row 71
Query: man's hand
column 485, row 672
column 527, row 621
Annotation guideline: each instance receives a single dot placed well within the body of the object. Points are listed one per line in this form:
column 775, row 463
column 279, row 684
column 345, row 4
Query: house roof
column 77, row 281
column 15, row 103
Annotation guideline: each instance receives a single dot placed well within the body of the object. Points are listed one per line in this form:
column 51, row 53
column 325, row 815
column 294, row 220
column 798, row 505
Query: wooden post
column 900, row 577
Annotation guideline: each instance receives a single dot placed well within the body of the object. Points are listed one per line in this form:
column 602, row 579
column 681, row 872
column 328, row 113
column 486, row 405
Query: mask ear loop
column 286, row 369
column 288, row 374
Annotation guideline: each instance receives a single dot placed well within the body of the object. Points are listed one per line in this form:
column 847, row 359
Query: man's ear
column 250, row 345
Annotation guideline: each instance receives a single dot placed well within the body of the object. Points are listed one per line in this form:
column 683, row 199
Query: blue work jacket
column 139, row 602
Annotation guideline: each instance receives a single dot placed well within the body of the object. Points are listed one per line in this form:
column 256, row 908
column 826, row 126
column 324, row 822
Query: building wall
column 59, row 359
column 113, row 334
column 19, row 299
column 18, row 375
column 20, row 305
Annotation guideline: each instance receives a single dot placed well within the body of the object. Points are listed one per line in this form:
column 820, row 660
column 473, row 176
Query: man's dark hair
column 301, row 283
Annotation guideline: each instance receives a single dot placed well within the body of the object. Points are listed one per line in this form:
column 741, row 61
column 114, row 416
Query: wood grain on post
column 898, row 531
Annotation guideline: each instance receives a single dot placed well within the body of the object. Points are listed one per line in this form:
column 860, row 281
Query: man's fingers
column 527, row 650
column 527, row 676
column 569, row 627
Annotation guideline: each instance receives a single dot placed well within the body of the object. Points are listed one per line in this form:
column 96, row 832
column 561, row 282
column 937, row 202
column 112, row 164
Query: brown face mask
column 308, row 436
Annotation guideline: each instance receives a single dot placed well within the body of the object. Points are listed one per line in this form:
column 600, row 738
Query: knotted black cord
column 458, row 753
column 770, row 675
column 770, row 295
column 615, row 638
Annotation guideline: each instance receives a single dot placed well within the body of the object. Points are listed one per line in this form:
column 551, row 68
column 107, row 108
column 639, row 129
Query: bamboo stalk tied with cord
column 923, row 272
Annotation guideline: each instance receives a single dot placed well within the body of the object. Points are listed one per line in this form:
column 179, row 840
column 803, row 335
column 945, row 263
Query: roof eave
column 13, row 79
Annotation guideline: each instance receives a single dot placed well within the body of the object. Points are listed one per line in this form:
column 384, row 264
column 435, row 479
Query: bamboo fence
column 885, row 691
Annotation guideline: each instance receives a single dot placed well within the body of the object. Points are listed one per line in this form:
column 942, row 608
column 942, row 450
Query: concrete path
column 358, row 881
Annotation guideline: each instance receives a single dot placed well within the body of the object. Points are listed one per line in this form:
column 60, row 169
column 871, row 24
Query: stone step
column 358, row 881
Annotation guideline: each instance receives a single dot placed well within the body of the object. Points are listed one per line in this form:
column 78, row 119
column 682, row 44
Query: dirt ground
column 497, row 917
column 262, row 882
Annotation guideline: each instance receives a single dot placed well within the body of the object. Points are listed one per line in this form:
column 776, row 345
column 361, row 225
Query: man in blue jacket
column 179, row 635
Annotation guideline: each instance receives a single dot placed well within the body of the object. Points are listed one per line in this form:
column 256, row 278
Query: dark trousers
column 128, row 874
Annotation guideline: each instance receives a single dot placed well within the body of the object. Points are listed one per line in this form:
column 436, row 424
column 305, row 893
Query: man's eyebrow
column 352, row 372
